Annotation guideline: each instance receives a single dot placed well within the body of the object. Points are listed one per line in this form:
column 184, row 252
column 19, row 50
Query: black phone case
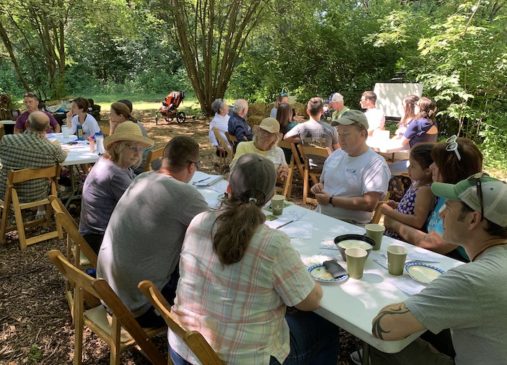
column 334, row 268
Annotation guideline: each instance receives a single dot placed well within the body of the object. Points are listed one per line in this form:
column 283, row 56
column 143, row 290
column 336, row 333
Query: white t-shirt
column 348, row 176
column 90, row 126
column 220, row 122
column 376, row 119
column 317, row 132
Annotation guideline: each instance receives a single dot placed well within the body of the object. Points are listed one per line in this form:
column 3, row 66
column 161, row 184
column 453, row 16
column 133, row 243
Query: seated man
column 264, row 144
column 469, row 299
column 29, row 150
column 354, row 177
column 31, row 102
column 238, row 126
column 337, row 104
column 375, row 116
column 314, row 131
column 134, row 250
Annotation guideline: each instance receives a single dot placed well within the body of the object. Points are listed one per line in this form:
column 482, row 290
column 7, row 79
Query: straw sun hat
column 128, row 131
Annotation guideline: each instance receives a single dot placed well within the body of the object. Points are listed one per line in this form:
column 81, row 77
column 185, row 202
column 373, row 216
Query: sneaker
column 357, row 357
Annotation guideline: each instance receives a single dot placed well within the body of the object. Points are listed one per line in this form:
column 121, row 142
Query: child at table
column 418, row 201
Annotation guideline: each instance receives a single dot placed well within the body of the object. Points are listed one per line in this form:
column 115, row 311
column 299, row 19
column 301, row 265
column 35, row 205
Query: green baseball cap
column 494, row 195
column 351, row 117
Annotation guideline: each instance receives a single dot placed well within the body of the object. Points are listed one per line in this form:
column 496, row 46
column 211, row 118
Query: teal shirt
column 436, row 224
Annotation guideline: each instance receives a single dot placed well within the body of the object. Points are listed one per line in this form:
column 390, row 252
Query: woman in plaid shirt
column 238, row 276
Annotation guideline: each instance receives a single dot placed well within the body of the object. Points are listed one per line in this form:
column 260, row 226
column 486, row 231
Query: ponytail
column 236, row 225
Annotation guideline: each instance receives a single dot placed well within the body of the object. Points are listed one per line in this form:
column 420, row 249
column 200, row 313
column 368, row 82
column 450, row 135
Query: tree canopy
column 254, row 49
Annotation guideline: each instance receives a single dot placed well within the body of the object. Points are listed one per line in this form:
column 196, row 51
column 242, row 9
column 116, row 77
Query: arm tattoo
column 395, row 309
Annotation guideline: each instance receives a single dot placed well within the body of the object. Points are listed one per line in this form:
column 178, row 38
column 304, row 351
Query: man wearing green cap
column 354, row 178
column 470, row 299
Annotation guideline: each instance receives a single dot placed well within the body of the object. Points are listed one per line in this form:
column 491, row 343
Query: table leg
column 366, row 354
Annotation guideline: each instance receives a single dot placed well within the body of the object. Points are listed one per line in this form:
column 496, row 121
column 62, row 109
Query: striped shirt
column 28, row 150
column 239, row 308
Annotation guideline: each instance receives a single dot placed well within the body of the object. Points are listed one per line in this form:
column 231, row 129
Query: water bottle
column 99, row 141
column 79, row 132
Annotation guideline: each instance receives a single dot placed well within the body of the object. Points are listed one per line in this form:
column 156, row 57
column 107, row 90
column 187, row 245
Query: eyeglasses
column 476, row 179
column 452, row 146
column 136, row 149
column 196, row 163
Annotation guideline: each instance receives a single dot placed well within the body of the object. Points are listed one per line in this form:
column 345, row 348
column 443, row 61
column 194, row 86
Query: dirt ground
column 35, row 323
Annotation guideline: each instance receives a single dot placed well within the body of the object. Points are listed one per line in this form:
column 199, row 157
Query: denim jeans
column 313, row 340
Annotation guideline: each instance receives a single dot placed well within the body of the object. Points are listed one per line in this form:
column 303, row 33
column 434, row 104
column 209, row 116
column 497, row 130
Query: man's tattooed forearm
column 395, row 309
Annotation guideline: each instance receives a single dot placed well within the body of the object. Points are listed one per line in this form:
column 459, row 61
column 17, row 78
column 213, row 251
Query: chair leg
column 305, row 186
column 19, row 221
column 114, row 358
column 78, row 329
column 3, row 224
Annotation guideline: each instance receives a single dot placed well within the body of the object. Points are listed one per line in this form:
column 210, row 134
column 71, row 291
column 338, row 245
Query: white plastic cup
column 65, row 131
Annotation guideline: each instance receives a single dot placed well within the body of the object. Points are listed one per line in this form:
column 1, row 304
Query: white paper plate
column 421, row 272
column 319, row 273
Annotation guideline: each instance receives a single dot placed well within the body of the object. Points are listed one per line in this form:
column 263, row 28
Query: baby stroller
column 169, row 108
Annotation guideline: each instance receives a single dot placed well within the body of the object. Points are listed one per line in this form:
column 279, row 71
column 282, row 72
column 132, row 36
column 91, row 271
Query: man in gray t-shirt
column 145, row 233
column 470, row 299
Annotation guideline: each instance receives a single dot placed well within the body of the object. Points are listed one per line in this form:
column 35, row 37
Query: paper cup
column 376, row 233
column 65, row 131
column 396, row 256
column 277, row 203
column 356, row 258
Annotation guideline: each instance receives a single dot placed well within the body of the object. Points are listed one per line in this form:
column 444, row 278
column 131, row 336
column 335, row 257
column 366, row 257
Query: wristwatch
column 331, row 200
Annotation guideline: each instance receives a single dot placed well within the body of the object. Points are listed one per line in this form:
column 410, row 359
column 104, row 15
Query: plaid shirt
column 27, row 150
column 239, row 308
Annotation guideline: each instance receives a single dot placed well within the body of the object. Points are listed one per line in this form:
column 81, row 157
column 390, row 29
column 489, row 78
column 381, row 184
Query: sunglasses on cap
column 452, row 146
column 476, row 179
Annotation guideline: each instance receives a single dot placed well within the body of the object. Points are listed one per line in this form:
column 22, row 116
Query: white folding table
column 353, row 304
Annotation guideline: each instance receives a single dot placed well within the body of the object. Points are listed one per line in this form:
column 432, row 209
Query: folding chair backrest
column 21, row 176
column 193, row 339
column 222, row 142
column 65, row 220
column 121, row 316
column 153, row 155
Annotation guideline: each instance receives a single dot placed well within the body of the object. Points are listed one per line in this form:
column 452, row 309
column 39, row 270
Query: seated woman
column 78, row 116
column 119, row 113
column 284, row 115
column 221, row 122
column 238, row 277
column 108, row 180
column 453, row 161
column 409, row 104
column 264, row 144
column 423, row 127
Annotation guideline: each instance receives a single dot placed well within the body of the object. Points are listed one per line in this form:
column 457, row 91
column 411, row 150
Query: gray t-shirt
column 103, row 188
column 348, row 176
column 471, row 300
column 315, row 132
column 145, row 233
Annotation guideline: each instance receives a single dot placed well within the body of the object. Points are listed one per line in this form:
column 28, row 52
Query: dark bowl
column 355, row 237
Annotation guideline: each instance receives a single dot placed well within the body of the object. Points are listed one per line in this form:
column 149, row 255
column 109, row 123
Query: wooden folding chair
column 193, row 339
column 118, row 330
column 377, row 214
column 307, row 152
column 224, row 160
column 153, row 155
column 287, row 187
column 79, row 251
column 50, row 173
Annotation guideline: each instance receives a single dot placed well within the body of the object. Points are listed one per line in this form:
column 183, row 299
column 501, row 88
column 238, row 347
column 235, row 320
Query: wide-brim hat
column 128, row 131
column 270, row 125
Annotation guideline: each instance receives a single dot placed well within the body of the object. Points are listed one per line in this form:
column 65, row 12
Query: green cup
column 277, row 203
column 356, row 258
column 396, row 256
column 376, row 233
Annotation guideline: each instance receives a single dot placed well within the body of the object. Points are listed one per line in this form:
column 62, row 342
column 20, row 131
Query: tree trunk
column 8, row 46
